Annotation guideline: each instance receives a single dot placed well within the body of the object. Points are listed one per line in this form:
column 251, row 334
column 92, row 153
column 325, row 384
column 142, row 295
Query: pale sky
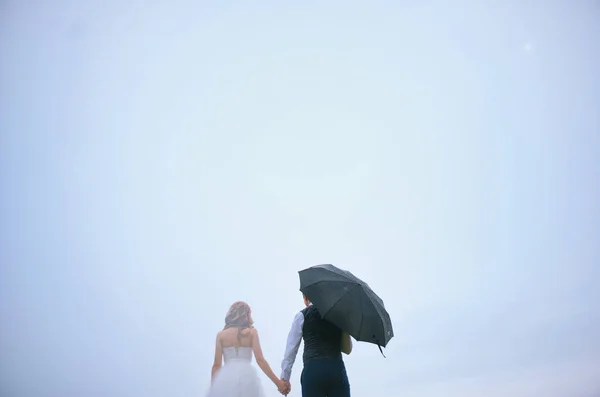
column 160, row 160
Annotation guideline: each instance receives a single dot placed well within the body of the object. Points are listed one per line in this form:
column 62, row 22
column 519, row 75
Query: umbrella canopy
column 348, row 302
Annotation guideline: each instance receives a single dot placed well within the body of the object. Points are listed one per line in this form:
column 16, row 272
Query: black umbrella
column 348, row 302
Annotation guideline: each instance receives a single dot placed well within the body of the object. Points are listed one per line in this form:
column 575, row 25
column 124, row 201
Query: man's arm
column 346, row 343
column 292, row 346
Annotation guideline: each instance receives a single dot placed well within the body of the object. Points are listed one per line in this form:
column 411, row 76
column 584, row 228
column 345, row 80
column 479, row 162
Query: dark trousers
column 325, row 378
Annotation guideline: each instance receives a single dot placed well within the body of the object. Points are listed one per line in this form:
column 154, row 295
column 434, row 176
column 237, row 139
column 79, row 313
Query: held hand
column 288, row 388
column 284, row 387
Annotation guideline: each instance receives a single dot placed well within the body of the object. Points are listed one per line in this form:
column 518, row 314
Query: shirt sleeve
column 292, row 346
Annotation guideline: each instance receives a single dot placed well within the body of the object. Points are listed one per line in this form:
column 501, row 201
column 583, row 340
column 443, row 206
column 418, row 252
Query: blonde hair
column 239, row 316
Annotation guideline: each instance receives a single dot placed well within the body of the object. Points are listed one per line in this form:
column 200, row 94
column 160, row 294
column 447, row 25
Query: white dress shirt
column 292, row 346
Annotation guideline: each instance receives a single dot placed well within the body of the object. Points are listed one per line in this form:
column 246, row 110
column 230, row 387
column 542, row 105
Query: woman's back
column 234, row 337
column 237, row 343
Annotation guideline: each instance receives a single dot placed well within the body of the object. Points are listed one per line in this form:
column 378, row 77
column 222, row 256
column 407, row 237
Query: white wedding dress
column 237, row 378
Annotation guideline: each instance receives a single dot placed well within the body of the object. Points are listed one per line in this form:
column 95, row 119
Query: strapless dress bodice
column 242, row 353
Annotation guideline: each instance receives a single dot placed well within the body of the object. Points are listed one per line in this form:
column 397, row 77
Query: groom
column 324, row 373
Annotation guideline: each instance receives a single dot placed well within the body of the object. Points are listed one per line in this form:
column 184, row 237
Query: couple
column 323, row 375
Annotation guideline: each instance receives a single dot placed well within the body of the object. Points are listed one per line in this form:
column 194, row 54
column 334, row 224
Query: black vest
column 322, row 339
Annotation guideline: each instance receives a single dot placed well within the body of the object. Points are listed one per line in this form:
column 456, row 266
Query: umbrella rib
column 338, row 274
column 378, row 310
column 331, row 281
column 350, row 276
column 339, row 299
column 328, row 270
column 362, row 320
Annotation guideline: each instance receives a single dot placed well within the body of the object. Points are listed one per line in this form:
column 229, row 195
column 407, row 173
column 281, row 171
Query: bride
column 235, row 344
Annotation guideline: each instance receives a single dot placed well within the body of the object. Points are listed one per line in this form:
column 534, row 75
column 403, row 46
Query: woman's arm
column 218, row 358
column 262, row 362
column 346, row 343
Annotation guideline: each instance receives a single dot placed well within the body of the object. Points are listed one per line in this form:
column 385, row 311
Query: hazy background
column 162, row 159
